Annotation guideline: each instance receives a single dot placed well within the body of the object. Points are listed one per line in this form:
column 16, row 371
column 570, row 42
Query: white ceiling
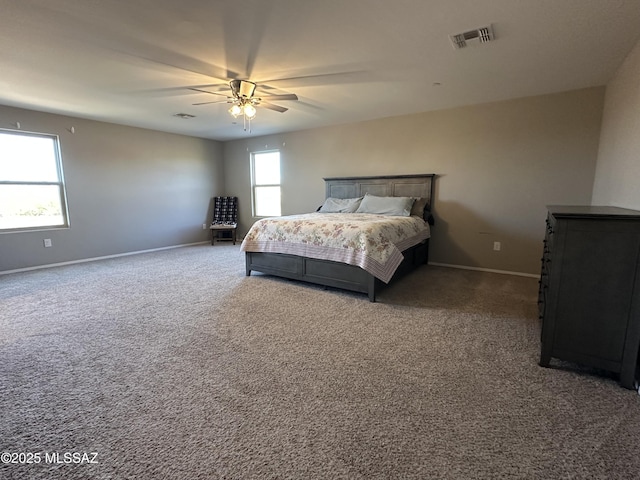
column 132, row 61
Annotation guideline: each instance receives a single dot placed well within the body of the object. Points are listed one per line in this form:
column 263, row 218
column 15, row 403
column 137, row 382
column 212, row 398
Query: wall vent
column 472, row 37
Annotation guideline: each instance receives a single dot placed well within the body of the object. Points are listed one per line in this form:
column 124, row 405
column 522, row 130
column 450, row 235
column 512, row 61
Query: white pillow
column 340, row 205
column 398, row 206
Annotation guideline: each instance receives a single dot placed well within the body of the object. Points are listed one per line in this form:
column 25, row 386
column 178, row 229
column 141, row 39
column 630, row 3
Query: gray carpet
column 174, row 365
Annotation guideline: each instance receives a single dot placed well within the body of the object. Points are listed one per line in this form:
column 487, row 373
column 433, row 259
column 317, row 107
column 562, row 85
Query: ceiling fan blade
column 207, row 91
column 215, row 101
column 242, row 45
column 314, row 79
column 109, row 35
column 271, row 106
column 284, row 96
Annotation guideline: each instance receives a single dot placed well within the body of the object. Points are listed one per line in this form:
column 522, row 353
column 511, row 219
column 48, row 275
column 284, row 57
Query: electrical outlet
column 497, row 246
column 47, row 242
column 204, row 226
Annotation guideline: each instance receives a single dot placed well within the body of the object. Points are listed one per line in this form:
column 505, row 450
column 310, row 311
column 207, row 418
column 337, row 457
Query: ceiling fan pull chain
column 244, row 123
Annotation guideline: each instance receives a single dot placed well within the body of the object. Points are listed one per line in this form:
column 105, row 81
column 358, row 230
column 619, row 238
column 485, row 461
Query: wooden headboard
column 386, row 186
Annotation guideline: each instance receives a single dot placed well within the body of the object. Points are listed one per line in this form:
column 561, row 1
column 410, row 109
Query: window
column 265, row 179
column 31, row 186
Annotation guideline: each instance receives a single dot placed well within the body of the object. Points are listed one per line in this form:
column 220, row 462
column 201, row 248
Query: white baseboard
column 491, row 270
column 93, row 259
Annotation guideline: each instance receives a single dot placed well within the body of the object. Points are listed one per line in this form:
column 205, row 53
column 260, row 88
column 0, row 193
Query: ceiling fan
column 244, row 101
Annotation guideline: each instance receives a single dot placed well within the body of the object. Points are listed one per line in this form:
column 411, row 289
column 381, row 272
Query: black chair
column 225, row 218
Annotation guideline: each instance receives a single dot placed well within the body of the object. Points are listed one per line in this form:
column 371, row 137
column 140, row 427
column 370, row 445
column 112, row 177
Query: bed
column 354, row 272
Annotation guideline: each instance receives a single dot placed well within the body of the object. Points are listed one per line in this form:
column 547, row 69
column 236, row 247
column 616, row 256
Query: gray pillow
column 398, row 206
column 340, row 205
column 418, row 207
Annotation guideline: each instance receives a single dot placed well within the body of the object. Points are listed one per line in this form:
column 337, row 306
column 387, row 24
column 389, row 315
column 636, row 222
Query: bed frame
column 342, row 275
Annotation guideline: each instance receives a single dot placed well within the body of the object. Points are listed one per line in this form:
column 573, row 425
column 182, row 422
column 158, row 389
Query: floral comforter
column 371, row 242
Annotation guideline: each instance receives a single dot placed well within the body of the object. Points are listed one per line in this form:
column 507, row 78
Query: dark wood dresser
column 589, row 296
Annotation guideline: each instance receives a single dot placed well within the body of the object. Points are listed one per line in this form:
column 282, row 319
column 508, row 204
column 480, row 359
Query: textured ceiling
column 132, row 61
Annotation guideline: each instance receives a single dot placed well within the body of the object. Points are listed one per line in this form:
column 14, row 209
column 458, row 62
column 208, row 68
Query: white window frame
column 59, row 183
column 255, row 185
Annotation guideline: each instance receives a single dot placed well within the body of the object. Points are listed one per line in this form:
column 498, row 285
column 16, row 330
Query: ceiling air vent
column 472, row 37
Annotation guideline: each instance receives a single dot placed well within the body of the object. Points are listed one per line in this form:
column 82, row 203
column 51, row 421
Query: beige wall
column 617, row 181
column 128, row 189
column 498, row 165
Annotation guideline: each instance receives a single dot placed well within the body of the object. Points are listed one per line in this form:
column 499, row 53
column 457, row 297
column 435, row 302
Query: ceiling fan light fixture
column 249, row 111
column 235, row 110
